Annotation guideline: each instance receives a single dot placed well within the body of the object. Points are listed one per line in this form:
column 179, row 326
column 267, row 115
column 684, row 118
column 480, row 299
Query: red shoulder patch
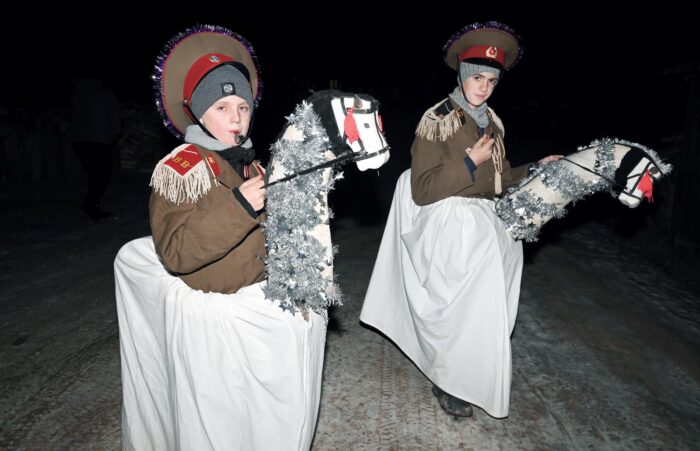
column 183, row 161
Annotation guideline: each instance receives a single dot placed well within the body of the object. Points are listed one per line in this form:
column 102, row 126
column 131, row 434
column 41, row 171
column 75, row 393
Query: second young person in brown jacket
column 459, row 147
column 446, row 281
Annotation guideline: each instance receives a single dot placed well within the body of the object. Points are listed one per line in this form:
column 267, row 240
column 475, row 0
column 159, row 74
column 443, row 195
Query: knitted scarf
column 236, row 156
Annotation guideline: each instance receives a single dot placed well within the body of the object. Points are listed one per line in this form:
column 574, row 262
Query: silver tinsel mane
column 296, row 259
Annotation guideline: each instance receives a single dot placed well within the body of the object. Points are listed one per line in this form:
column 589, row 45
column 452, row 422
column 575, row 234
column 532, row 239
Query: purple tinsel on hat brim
column 493, row 25
column 163, row 56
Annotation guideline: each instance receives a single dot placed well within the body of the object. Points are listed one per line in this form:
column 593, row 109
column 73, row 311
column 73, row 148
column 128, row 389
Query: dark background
column 589, row 70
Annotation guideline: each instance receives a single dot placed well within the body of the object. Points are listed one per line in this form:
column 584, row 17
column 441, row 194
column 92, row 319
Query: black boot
column 452, row 405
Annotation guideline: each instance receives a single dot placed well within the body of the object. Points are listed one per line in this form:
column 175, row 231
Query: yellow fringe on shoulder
column 434, row 128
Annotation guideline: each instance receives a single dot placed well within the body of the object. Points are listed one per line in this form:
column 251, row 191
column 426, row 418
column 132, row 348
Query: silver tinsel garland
column 518, row 208
column 295, row 259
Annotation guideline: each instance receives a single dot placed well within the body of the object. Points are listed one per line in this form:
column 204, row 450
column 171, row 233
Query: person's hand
column 481, row 151
column 253, row 191
column 549, row 158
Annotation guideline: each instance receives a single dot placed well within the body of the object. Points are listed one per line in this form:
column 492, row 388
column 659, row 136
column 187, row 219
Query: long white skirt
column 204, row 371
column 445, row 289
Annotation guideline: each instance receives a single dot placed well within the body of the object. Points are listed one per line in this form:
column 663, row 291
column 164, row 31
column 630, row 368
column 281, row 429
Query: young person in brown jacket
column 208, row 362
column 451, row 302
column 207, row 197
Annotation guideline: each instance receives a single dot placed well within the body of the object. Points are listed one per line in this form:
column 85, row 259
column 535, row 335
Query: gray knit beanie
column 466, row 70
column 223, row 81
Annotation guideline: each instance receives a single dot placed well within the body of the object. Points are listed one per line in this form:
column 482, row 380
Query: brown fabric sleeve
column 513, row 175
column 191, row 235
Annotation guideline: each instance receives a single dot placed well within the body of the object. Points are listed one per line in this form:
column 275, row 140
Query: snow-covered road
column 605, row 349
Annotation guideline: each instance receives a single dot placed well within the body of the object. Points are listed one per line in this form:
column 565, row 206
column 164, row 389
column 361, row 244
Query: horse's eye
column 653, row 171
column 366, row 125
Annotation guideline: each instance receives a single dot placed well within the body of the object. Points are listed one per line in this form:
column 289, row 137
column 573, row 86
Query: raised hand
column 253, row 191
column 482, row 149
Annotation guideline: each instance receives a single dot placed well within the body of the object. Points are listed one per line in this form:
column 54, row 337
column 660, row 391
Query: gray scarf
column 479, row 114
column 237, row 156
column 195, row 135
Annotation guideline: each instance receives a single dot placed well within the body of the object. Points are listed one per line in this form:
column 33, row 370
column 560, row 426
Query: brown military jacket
column 438, row 169
column 201, row 232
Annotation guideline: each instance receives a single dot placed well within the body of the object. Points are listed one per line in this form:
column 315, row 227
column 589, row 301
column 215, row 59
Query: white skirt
column 445, row 289
column 205, row 371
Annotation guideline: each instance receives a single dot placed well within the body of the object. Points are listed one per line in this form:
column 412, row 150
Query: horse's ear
column 357, row 102
column 321, row 102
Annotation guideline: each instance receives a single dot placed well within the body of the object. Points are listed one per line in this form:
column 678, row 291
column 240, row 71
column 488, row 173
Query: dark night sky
column 582, row 59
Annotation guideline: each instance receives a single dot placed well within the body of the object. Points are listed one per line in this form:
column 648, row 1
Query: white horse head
column 357, row 126
column 636, row 175
column 627, row 170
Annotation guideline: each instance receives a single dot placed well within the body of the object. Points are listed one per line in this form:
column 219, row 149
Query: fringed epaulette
column 184, row 175
column 440, row 121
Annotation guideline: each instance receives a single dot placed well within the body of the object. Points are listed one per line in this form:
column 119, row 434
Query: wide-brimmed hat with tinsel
column 490, row 41
column 187, row 58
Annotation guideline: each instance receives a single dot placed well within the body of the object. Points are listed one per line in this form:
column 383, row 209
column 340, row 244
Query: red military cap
column 187, row 58
column 490, row 41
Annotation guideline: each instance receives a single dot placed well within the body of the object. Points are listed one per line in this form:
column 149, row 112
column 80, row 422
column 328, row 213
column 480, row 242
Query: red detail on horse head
column 350, row 127
column 646, row 186
column 381, row 124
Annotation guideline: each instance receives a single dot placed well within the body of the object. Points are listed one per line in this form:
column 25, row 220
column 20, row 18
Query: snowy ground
column 605, row 350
